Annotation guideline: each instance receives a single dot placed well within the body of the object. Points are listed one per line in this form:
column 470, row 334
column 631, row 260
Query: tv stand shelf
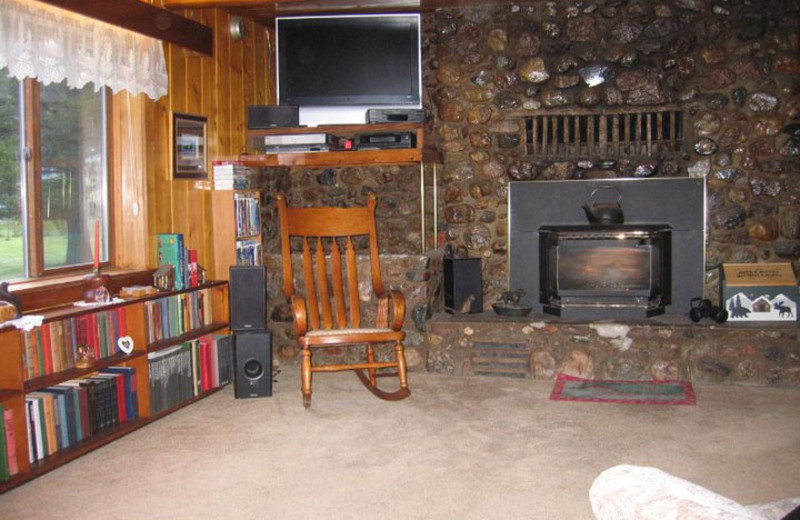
column 416, row 155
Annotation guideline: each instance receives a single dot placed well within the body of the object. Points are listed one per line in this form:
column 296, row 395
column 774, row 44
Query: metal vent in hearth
column 644, row 132
column 500, row 359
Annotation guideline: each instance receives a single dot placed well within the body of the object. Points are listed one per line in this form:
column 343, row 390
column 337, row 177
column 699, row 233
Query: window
column 54, row 186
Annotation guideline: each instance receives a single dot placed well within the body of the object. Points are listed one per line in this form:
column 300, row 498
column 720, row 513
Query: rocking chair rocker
column 316, row 323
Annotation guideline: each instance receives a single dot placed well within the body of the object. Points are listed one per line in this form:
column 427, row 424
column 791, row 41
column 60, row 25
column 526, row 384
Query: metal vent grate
column 645, row 132
column 500, row 359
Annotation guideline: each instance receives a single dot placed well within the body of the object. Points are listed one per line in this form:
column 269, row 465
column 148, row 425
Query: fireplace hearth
column 652, row 264
column 622, row 267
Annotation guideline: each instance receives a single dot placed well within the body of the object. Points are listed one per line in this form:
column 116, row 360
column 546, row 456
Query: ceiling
column 264, row 11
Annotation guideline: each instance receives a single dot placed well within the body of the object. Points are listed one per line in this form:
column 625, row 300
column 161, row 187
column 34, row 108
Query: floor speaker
column 248, row 297
column 252, row 352
column 463, row 285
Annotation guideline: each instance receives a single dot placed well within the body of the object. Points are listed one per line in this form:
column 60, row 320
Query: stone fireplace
column 651, row 263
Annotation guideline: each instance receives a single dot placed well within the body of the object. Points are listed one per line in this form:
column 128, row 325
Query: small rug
column 570, row 388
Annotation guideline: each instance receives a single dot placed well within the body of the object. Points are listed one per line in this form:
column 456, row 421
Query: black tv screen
column 349, row 61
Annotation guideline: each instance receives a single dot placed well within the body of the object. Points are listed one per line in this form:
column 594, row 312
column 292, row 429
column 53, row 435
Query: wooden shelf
column 419, row 154
column 31, row 385
column 14, row 388
column 192, row 334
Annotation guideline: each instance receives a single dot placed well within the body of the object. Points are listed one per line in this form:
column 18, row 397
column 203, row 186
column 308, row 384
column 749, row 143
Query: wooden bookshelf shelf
column 22, row 385
column 32, row 385
column 196, row 333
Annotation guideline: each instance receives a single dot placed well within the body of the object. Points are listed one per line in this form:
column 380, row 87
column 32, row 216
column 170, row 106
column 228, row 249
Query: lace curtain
column 52, row 44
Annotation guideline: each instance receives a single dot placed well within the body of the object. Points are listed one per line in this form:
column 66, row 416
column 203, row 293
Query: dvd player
column 386, row 140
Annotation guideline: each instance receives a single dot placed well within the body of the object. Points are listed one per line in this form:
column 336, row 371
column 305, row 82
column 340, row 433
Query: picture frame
column 189, row 150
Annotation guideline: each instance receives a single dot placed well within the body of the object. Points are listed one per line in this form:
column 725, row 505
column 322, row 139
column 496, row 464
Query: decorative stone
column 459, row 214
column 506, row 101
column 497, row 40
column 579, row 364
column 712, row 54
column 493, row 170
column 589, row 97
column 506, row 79
column 729, row 217
column 766, row 230
column 791, row 148
column 647, row 169
column 793, row 129
column 522, row 171
column 660, row 27
column 327, row 177
column 718, row 79
column 627, row 31
column 582, row 29
column 728, row 174
column 451, row 111
column 565, row 64
column 762, row 102
column 708, row 124
column 551, row 29
column 450, row 73
column 565, row 80
column 478, row 237
column 640, row 89
column 478, row 190
column 480, row 139
column 482, row 78
column 760, row 185
column 508, row 140
column 533, row 70
column 556, row 98
column 613, row 96
column 752, row 30
column 594, row 75
column 477, row 115
column 705, row 146
column 717, row 101
column 527, row 44
column 686, row 66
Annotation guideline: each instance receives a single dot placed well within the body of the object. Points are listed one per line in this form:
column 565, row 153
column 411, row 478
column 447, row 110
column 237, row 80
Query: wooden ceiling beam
column 145, row 19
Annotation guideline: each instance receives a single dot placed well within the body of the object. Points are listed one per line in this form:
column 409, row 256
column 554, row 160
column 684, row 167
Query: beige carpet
column 458, row 448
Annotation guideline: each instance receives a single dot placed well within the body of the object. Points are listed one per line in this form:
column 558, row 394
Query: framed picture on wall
column 190, row 156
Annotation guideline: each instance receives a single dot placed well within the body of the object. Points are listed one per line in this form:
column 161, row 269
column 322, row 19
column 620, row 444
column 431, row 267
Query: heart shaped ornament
column 125, row 344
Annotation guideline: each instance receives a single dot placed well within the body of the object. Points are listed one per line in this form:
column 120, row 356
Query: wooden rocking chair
column 327, row 229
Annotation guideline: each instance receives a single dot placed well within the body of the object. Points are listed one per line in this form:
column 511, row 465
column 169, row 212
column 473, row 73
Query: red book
column 47, row 351
column 205, row 367
column 122, row 321
column 92, row 334
column 11, row 441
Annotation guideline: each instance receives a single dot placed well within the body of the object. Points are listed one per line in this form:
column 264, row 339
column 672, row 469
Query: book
column 170, row 251
column 11, row 441
column 129, row 390
column 5, row 472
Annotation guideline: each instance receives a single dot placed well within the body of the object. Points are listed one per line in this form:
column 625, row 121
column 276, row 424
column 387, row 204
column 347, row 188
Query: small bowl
column 512, row 311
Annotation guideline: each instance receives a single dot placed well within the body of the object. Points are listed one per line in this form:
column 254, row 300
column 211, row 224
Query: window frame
column 31, row 185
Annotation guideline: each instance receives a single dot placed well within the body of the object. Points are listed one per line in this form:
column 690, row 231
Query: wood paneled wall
column 219, row 88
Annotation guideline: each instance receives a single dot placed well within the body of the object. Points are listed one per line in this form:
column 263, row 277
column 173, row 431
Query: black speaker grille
column 248, row 298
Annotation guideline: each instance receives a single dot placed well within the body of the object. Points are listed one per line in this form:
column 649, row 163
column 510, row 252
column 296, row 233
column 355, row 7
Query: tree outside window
column 62, row 167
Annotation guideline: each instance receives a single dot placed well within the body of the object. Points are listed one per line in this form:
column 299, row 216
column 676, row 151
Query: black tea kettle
column 607, row 213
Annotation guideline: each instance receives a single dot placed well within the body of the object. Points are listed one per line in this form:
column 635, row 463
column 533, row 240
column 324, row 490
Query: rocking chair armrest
column 300, row 315
column 397, row 308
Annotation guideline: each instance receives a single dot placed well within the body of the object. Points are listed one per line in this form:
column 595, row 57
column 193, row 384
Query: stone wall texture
column 732, row 67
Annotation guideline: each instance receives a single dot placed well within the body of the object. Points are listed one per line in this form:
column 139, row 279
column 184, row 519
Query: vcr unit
column 385, row 140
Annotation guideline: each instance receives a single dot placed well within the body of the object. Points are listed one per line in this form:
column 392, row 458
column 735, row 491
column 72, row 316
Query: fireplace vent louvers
column 645, row 132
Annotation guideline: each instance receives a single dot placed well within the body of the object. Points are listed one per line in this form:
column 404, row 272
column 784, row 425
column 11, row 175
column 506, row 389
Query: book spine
column 11, row 441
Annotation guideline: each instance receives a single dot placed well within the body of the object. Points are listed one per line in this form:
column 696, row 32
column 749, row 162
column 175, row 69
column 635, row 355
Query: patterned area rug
column 570, row 388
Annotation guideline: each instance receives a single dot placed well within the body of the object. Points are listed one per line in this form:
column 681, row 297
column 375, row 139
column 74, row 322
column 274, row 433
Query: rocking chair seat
column 329, row 314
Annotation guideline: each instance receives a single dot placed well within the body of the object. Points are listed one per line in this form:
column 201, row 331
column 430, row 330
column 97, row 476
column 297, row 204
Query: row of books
column 175, row 315
column 51, row 348
column 9, row 465
column 230, row 175
column 248, row 252
column 182, row 372
column 171, row 251
column 63, row 415
column 248, row 214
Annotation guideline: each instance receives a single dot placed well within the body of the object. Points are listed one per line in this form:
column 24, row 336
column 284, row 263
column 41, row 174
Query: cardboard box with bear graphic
column 759, row 292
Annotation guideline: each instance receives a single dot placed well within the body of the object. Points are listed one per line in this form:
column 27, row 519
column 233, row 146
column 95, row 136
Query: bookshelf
column 237, row 229
column 186, row 321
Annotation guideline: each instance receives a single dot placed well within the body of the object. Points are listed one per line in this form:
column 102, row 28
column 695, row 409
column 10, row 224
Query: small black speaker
column 272, row 116
column 463, row 285
column 248, row 297
column 252, row 352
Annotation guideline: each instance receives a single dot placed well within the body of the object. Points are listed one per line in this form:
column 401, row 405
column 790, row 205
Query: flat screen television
column 335, row 68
